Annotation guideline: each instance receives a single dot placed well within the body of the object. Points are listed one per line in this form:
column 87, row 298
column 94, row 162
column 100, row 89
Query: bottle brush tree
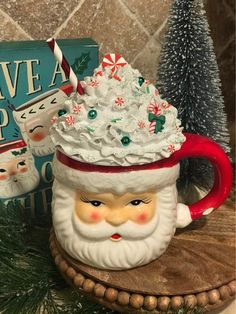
column 188, row 78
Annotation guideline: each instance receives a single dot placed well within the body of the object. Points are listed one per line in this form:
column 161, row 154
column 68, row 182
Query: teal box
column 33, row 88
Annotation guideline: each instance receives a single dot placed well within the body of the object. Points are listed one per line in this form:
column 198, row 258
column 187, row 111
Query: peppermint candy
column 70, row 120
column 114, row 61
column 120, row 102
column 171, row 148
column 77, row 109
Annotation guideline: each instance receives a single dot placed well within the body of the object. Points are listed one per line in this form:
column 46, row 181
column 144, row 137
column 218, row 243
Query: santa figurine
column 18, row 174
column 34, row 119
column 118, row 148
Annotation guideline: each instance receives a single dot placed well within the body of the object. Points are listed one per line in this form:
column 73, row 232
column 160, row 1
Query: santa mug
column 35, row 118
column 120, row 217
column 18, row 174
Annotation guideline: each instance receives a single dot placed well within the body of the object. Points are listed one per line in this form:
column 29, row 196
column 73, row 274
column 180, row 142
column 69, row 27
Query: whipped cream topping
column 120, row 120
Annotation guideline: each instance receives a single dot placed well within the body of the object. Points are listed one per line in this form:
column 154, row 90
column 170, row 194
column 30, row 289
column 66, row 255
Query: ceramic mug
column 34, row 119
column 115, row 217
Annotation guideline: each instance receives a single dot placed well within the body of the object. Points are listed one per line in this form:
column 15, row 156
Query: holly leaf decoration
column 160, row 121
column 81, row 64
column 15, row 153
column 23, row 150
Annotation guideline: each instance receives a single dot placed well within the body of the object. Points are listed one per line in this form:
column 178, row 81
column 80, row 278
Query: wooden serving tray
column 198, row 269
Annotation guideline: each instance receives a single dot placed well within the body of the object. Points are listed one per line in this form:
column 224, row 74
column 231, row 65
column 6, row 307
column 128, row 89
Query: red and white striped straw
column 65, row 66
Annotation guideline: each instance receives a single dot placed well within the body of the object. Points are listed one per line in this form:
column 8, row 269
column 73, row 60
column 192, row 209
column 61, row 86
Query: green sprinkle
column 61, row 112
column 141, row 80
column 92, row 114
column 125, row 140
column 116, row 119
column 90, row 129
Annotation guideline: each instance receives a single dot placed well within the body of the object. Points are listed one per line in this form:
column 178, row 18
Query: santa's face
column 114, row 231
column 114, row 210
column 18, row 175
column 34, row 119
column 37, row 132
column 37, row 128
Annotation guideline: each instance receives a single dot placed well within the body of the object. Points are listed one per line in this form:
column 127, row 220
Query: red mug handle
column 200, row 146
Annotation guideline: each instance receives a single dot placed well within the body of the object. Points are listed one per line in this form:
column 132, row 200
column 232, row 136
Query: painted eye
column 61, row 112
column 136, row 202
column 42, row 106
column 53, row 101
column 37, row 126
column 125, row 140
column 96, row 203
column 3, row 170
column 92, row 114
column 21, row 163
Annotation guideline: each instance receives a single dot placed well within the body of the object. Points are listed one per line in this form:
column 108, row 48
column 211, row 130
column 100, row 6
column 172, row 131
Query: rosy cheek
column 95, row 216
column 3, row 177
column 142, row 218
column 22, row 170
column 38, row 136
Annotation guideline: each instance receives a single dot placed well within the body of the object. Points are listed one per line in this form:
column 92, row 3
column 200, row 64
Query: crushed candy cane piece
column 165, row 105
column 99, row 73
column 141, row 124
column 53, row 119
column 94, row 83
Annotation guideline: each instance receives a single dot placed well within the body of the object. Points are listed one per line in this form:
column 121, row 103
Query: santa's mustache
column 20, row 178
column 103, row 230
column 42, row 148
column 18, row 184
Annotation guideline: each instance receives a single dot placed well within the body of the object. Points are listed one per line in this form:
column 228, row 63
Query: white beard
column 41, row 148
column 25, row 183
column 91, row 244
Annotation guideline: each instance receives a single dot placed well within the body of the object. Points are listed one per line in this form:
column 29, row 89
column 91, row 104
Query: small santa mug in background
column 118, row 148
column 34, row 119
column 18, row 174
column 116, row 217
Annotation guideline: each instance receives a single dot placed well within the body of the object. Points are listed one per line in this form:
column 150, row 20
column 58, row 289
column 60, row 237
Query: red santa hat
column 116, row 179
column 11, row 149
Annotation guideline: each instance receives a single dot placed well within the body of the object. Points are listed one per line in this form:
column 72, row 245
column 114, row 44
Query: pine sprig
column 27, row 274
column 29, row 280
